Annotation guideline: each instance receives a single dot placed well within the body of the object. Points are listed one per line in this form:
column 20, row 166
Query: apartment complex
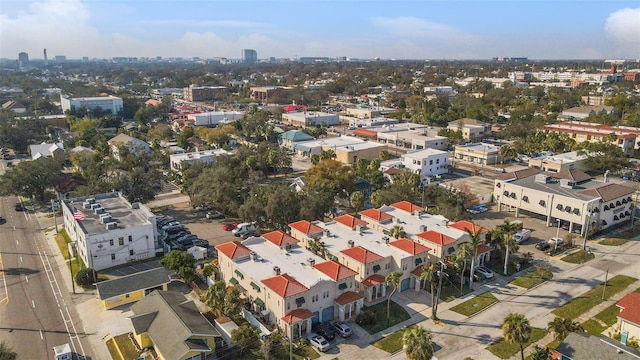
column 623, row 136
column 112, row 104
column 348, row 149
column 310, row 118
column 179, row 161
column 426, row 163
column 262, row 93
column 108, row 231
column 202, row 93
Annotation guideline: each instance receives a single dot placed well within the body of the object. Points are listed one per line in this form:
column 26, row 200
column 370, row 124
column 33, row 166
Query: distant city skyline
column 413, row 29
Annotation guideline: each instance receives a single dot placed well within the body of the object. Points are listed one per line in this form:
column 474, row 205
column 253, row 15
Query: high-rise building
column 46, row 61
column 23, row 57
column 249, row 56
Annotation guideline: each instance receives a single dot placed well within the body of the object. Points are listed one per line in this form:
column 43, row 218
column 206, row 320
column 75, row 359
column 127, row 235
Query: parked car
column 543, row 246
column 229, row 227
column 244, row 228
column 2, row 220
column 201, row 243
column 202, row 207
column 214, row 215
column 249, row 234
column 325, row 330
column 19, row 207
column 171, row 224
column 343, row 329
column 484, row 272
column 186, row 237
column 178, row 234
column 522, row 235
column 555, row 241
column 319, row 342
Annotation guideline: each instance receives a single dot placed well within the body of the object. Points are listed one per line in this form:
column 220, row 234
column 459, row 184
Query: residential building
column 290, row 138
column 569, row 196
column 249, row 56
column 593, row 100
column 262, row 93
column 559, row 162
column 110, row 103
column 311, row 119
column 629, row 316
column 131, row 144
column 202, row 93
column 580, row 131
column 582, row 112
column 174, row 326
column 14, row 106
column 177, row 162
column 578, row 346
column 348, row 149
column 108, row 231
column 131, row 288
column 426, row 163
column 478, row 153
column 371, row 122
column 54, row 150
column 472, row 129
column 214, row 118
column 366, row 112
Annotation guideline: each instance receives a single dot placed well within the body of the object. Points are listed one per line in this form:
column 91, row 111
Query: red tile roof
column 409, row 246
column 376, row 215
column 436, row 237
column 609, row 192
column 482, row 248
column 350, row 221
column 284, row 285
column 297, row 315
column 334, row 270
column 306, row 227
column 347, row 297
column 418, row 270
column 407, row 206
column 361, row 254
column 279, row 238
column 374, row 280
column 365, row 133
column 573, row 174
column 630, row 305
column 463, row 225
column 233, row 249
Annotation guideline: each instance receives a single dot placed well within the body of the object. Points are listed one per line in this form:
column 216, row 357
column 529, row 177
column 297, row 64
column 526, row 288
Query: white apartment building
column 214, row 118
column 348, row 149
column 108, row 231
column 311, row 118
column 179, row 161
column 479, row 153
column 426, row 163
column 105, row 103
column 569, row 196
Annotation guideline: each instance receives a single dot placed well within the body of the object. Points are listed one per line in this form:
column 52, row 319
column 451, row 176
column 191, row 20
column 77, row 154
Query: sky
column 388, row 29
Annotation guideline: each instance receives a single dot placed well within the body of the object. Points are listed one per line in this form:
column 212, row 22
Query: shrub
column 86, row 277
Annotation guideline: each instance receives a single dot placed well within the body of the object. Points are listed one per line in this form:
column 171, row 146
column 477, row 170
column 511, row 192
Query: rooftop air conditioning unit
column 91, row 200
column 95, row 206
column 311, row 261
column 276, row 270
column 326, row 232
column 98, row 210
column 86, row 205
column 111, row 225
column 351, row 243
column 105, row 218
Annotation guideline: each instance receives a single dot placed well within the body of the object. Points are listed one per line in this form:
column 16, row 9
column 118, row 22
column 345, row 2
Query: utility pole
column 73, row 283
column 55, row 221
column 604, row 288
column 440, row 274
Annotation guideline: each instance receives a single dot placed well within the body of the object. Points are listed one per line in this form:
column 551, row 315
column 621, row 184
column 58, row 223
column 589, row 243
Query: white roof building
column 46, row 150
column 178, row 161
column 214, row 118
column 110, row 103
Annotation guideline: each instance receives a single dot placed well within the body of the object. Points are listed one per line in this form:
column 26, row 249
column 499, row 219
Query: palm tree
column 507, row 151
column 327, row 154
column 357, row 200
column 429, row 275
column 463, row 251
column 215, row 295
column 417, row 343
column 396, row 232
column 6, row 353
column 516, row 330
column 562, row 327
column 476, row 239
column 540, row 353
column 393, row 279
column 507, row 230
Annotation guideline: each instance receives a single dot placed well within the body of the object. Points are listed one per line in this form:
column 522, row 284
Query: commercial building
column 130, row 288
column 479, row 153
column 290, row 138
column 568, row 197
column 202, row 93
column 580, row 131
column 348, row 149
column 262, row 93
column 311, row 118
column 214, row 118
column 249, row 56
column 582, row 112
column 559, row 162
column 365, row 112
column 108, row 231
column 472, row 129
column 179, row 161
column 110, row 103
column 426, row 163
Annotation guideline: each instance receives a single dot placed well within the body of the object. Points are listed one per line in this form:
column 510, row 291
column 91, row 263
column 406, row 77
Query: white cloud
column 622, row 27
column 416, row 28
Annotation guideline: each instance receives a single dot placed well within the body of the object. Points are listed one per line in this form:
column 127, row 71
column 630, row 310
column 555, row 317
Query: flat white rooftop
column 414, row 224
column 197, row 155
column 340, row 234
column 480, row 147
column 421, row 154
column 344, row 143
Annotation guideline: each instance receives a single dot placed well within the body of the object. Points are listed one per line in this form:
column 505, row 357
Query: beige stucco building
column 480, row 153
column 348, row 149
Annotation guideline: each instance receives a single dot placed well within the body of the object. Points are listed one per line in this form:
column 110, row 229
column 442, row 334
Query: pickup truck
column 522, row 235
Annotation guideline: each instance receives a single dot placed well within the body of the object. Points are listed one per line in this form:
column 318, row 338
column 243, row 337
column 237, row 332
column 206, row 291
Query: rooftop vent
column 254, row 256
column 86, row 205
column 111, row 225
column 568, row 184
column 276, row 270
column 99, row 210
column 359, row 229
column 542, row 178
column 287, row 247
column 105, row 218
column 351, row 243
column 311, row 261
column 423, row 228
column 135, row 205
column 95, row 206
column 326, row 233
column 386, row 239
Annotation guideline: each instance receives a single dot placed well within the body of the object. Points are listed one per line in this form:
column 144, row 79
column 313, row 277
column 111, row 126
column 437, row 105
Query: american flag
column 79, row 215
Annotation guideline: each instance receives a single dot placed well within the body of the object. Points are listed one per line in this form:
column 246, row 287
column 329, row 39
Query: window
column 615, row 217
column 127, row 296
column 437, row 161
column 559, row 207
column 506, row 193
column 576, row 211
column 567, row 208
column 113, row 256
column 342, row 286
column 611, row 206
column 606, row 207
column 618, row 203
column 376, row 268
column 430, row 162
column 498, row 185
column 451, row 250
column 513, row 195
column 131, row 252
column 386, row 266
column 525, row 198
column 110, row 242
column 121, row 241
column 130, row 238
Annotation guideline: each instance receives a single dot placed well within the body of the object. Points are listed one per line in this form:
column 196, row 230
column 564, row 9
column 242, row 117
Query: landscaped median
column 533, row 278
column 578, row 257
column 475, row 304
column 374, row 318
column 505, row 350
column 391, row 343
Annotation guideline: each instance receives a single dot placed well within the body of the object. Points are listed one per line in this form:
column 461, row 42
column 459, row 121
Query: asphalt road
column 36, row 311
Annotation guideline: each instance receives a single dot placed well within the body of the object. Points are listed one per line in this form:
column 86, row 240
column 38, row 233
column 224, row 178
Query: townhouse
column 624, row 137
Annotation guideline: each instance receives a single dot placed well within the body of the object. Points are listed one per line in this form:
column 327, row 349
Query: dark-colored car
column 19, row 207
column 215, row 215
column 543, row 246
column 249, row 234
column 2, row 220
column 326, row 330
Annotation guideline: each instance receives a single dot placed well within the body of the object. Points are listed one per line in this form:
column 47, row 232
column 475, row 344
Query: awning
column 259, row 302
column 233, row 281
column 240, row 275
column 255, row 286
column 376, row 268
column 342, row 286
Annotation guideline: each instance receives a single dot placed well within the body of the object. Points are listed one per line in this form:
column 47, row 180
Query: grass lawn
column 612, row 241
column 111, row 345
column 305, row 352
column 532, row 278
column 379, row 312
column 505, row 350
column 578, row 257
column 126, row 347
column 452, row 292
column 391, row 343
column 475, row 304
column 593, row 297
column 609, row 315
column 593, row 327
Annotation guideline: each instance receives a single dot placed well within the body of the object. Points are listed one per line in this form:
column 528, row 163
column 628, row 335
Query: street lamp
column 586, row 228
column 558, row 230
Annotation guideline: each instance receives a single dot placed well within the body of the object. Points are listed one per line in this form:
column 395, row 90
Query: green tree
column 393, row 279
column 507, row 230
column 182, row 262
column 429, row 275
column 6, row 353
column 272, row 348
column 357, row 200
column 541, row 353
column 32, row 179
column 396, row 232
column 508, row 152
column 417, row 343
column 516, row 330
column 463, row 252
column 561, row 327
column 330, row 175
column 215, row 296
column 233, row 304
column 86, row 277
column 247, row 338
column 476, row 239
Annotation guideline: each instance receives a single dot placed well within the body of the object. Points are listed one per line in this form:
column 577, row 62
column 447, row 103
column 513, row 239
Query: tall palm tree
column 6, row 353
column 215, row 295
column 508, row 152
column 541, row 353
column 393, row 279
column 507, row 230
column 562, row 327
column 396, row 232
column 516, row 330
column 429, row 275
column 463, row 251
column 418, row 344
column 476, row 239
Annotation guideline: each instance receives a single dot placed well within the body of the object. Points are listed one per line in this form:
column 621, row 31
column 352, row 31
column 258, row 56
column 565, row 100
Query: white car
column 555, row 241
column 343, row 329
column 486, row 273
column 319, row 343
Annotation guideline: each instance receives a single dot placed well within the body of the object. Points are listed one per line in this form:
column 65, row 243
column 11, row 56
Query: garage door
column 327, row 314
column 405, row 284
column 315, row 318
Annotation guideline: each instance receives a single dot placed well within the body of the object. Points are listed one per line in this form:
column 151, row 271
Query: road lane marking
column 26, row 278
column 20, row 258
column 41, row 337
column 33, row 303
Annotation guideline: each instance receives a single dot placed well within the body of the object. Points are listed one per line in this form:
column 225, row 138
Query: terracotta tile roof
column 482, row 248
column 347, row 297
column 463, row 225
column 418, row 270
column 609, row 192
column 393, row 171
column 279, row 238
column 297, row 315
column 520, row 174
column 573, row 174
column 436, row 237
column 374, row 280
column 361, row 254
column 365, row 133
column 284, row 285
column 306, row 227
column 334, row 270
column 233, row 249
column 630, row 305
column 350, row 221
column 407, row 206
column 409, row 246
column 376, row 215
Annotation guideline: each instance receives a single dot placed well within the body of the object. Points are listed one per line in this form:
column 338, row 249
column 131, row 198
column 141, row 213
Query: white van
column 244, row 228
